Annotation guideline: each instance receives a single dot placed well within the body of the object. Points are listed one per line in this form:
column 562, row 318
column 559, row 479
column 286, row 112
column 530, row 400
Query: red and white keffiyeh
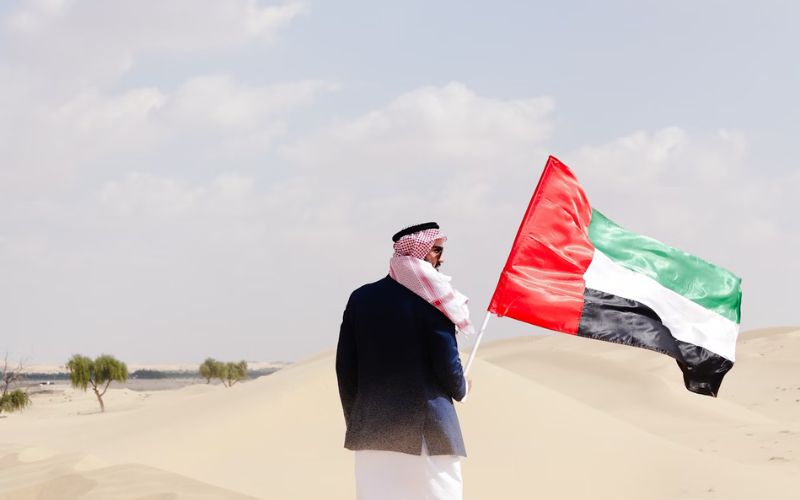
column 408, row 267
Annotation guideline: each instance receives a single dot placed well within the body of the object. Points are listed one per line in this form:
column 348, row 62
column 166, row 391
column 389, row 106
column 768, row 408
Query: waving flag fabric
column 573, row 270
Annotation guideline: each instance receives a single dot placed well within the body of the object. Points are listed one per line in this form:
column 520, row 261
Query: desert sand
column 549, row 417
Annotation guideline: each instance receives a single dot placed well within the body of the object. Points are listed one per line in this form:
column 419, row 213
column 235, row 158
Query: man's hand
column 468, row 382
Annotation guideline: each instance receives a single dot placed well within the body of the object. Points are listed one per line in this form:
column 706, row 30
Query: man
column 399, row 371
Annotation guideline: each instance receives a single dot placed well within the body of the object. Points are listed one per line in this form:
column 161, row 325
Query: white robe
column 390, row 475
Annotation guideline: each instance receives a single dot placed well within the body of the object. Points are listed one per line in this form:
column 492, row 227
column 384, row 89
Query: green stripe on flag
column 710, row 286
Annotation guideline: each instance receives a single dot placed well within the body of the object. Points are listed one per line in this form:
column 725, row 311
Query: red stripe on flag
column 542, row 281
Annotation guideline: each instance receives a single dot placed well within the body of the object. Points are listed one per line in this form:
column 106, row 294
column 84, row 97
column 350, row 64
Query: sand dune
column 555, row 417
column 44, row 474
column 755, row 418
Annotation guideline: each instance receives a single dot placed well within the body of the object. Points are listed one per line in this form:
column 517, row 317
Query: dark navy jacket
column 398, row 369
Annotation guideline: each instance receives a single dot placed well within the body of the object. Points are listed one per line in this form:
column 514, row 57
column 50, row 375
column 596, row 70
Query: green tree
column 12, row 400
column 210, row 369
column 84, row 372
column 228, row 373
column 234, row 372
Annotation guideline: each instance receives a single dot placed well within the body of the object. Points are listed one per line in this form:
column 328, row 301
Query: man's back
column 398, row 369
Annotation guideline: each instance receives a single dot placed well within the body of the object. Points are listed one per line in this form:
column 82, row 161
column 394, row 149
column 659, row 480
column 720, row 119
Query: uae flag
column 573, row 270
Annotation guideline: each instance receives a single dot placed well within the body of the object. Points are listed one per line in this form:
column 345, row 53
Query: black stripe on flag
column 623, row 321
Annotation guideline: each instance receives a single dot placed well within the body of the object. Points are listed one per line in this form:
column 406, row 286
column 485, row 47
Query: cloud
column 166, row 244
column 67, row 117
column 448, row 125
column 47, row 147
column 433, row 149
column 440, row 153
column 219, row 101
column 140, row 194
column 147, row 257
column 472, row 162
column 707, row 195
column 669, row 155
column 423, row 139
column 241, row 257
column 87, row 40
column 682, row 184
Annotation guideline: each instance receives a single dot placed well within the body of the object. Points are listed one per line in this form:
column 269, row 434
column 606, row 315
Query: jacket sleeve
column 346, row 364
column 445, row 358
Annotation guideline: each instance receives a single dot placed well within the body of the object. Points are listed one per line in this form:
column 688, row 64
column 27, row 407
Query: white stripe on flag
column 687, row 320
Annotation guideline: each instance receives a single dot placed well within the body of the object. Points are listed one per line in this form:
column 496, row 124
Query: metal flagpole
column 477, row 342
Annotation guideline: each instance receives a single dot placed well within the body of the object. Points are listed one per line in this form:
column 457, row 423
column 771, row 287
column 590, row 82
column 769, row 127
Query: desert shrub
column 14, row 401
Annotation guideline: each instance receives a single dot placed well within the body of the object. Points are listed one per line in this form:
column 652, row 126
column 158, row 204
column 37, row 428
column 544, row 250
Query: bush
column 14, row 401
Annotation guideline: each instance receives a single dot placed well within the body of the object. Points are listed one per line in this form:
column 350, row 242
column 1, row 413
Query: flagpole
column 477, row 342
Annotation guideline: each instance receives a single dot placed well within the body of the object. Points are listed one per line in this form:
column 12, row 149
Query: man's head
column 423, row 241
column 435, row 254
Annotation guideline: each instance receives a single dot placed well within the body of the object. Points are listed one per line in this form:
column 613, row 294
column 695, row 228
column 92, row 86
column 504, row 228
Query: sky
column 191, row 178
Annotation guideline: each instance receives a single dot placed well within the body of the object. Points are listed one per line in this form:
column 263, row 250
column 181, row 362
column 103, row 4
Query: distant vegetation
column 148, row 374
column 145, row 373
column 228, row 373
column 12, row 399
column 46, row 376
column 98, row 373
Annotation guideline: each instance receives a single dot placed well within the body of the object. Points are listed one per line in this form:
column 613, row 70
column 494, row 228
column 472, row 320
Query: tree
column 84, row 372
column 228, row 373
column 12, row 400
column 210, row 369
column 234, row 372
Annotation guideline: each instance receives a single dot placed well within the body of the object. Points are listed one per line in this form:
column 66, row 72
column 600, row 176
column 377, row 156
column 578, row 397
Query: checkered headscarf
column 408, row 267
column 417, row 244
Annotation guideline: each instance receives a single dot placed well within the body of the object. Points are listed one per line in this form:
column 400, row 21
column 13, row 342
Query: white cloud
column 150, row 195
column 676, row 181
column 149, row 257
column 49, row 146
column 471, row 162
column 433, row 149
column 669, row 155
column 169, row 252
column 426, row 139
column 140, row 193
column 85, row 40
column 233, row 257
column 220, row 101
column 33, row 15
column 66, row 118
column 444, row 153
column 446, row 126
column 707, row 195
